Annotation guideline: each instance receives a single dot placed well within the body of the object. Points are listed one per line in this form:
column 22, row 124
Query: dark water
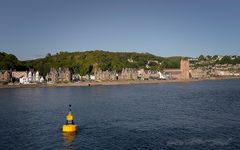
column 197, row 115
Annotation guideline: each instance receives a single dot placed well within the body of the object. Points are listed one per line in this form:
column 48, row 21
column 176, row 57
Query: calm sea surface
column 197, row 115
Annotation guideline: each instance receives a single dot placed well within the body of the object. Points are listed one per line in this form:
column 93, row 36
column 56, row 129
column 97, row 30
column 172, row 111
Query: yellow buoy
column 69, row 126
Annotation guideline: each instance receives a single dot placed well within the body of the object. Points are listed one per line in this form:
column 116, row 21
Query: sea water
column 189, row 115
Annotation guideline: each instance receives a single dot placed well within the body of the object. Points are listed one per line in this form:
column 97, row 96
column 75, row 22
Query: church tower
column 184, row 69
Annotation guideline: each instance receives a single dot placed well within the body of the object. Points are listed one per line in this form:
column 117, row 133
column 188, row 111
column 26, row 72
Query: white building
column 162, row 75
column 92, row 77
column 41, row 80
column 23, row 80
column 37, row 77
column 30, row 78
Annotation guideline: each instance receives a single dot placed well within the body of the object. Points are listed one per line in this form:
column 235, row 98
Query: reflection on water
column 69, row 140
column 69, row 137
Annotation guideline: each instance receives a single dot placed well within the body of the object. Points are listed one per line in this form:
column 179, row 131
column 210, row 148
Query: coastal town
column 187, row 71
column 120, row 74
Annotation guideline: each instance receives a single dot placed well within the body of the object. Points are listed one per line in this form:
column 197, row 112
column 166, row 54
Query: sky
column 30, row 29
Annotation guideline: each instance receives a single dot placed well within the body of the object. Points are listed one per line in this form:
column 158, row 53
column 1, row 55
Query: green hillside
column 85, row 62
column 9, row 61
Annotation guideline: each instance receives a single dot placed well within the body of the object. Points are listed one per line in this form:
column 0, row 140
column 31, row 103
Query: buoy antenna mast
column 70, row 107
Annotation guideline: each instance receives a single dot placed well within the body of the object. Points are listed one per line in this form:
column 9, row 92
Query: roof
column 172, row 70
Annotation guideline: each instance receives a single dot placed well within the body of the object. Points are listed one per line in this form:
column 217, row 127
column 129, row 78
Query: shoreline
column 105, row 83
column 91, row 83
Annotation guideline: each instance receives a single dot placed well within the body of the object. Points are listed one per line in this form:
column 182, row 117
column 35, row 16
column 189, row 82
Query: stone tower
column 184, row 69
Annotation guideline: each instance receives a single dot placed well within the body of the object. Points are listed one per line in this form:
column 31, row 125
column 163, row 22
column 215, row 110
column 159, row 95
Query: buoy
column 69, row 126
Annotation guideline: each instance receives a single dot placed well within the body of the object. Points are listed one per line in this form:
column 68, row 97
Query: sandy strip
column 103, row 83
column 93, row 83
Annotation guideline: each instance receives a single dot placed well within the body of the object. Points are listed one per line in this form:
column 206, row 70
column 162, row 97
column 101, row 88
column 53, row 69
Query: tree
column 8, row 61
column 215, row 57
column 201, row 57
column 48, row 55
column 208, row 57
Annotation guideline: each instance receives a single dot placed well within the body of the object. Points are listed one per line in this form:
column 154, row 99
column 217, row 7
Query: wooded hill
column 85, row 62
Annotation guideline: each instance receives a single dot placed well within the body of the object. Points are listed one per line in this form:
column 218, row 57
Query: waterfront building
column 30, row 76
column 24, row 80
column 19, row 74
column 225, row 73
column 41, row 80
column 37, row 77
column 5, row 76
column 184, row 66
column 92, row 77
column 105, row 75
column 182, row 73
column 26, row 77
column 128, row 74
column 162, row 75
column 59, row 75
column 143, row 74
column 76, row 77
column 153, row 75
column 198, row 73
column 173, row 73
column 134, row 74
column 125, row 74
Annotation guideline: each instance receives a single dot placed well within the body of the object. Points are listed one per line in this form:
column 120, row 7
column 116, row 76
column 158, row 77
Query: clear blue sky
column 33, row 28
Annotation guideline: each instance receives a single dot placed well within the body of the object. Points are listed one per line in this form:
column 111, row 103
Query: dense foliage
column 86, row 62
column 9, row 61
